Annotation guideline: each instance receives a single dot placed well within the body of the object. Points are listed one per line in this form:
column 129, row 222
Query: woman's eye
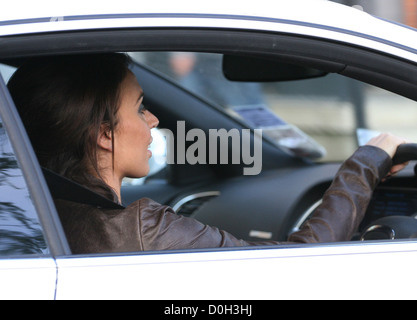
column 142, row 108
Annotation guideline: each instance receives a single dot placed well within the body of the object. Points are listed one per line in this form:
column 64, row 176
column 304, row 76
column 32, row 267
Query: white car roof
column 319, row 18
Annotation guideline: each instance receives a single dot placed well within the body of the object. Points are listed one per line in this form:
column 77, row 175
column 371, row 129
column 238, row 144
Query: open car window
column 317, row 118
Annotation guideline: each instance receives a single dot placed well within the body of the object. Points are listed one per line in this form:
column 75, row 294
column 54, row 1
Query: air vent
column 189, row 204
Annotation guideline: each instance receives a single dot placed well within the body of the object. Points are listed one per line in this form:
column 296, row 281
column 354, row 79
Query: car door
column 342, row 270
column 325, row 271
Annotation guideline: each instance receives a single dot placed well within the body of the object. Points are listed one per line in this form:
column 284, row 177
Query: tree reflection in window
column 20, row 231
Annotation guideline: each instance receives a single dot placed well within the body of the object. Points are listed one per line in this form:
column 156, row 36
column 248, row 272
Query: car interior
column 290, row 186
column 275, row 202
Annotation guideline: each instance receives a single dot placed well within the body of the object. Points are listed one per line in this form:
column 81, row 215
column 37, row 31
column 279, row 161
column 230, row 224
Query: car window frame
column 28, row 163
column 310, row 51
column 294, row 51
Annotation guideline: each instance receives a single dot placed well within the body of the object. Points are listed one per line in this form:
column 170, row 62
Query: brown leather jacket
column 147, row 225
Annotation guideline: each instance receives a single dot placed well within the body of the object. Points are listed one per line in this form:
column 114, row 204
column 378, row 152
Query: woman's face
column 132, row 135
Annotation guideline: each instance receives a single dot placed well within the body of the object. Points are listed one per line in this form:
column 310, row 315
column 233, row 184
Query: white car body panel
column 27, row 278
column 213, row 23
column 318, row 18
column 383, row 271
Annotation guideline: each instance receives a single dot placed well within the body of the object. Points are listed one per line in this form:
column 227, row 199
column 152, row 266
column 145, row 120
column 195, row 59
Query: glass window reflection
column 20, row 231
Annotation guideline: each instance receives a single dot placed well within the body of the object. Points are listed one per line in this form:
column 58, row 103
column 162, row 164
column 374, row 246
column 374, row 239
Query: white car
column 362, row 79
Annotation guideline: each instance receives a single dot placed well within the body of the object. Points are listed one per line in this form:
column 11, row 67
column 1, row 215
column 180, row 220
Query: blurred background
column 402, row 11
column 333, row 113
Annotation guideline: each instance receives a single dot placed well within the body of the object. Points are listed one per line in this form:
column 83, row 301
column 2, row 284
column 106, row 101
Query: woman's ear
column 104, row 139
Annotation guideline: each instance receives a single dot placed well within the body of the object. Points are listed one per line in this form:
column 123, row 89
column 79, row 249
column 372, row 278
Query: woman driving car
column 85, row 117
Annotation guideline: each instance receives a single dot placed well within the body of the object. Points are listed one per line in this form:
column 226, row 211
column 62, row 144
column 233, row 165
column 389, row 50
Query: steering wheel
column 395, row 227
column 405, row 152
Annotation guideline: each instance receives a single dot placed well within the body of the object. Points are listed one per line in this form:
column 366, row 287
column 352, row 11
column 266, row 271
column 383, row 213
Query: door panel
column 339, row 271
column 31, row 278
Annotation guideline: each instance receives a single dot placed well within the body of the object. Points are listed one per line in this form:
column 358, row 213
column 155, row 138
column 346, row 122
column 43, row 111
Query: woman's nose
column 152, row 120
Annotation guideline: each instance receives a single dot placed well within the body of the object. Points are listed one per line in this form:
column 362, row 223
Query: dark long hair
column 63, row 102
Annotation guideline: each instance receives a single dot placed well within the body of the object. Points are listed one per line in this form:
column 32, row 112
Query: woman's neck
column 112, row 181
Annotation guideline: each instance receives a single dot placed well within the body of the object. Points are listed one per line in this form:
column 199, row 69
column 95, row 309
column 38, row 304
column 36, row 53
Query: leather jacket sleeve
column 345, row 202
column 147, row 225
column 336, row 219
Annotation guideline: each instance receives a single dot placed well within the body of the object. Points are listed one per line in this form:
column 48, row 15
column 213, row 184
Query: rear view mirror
column 240, row 68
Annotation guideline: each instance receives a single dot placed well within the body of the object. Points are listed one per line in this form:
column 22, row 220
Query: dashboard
column 391, row 201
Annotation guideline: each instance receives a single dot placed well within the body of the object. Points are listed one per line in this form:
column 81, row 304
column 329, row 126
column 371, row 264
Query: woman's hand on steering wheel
column 391, row 145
